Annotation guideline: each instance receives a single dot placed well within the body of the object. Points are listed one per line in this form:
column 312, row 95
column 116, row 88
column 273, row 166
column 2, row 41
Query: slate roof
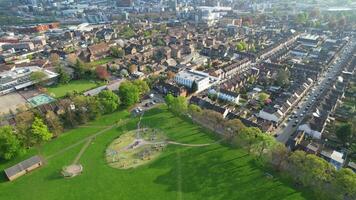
column 11, row 171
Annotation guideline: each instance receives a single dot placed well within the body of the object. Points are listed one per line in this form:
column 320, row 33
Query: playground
column 135, row 148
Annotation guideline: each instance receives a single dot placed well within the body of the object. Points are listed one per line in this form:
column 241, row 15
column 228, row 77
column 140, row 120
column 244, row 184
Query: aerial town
column 178, row 99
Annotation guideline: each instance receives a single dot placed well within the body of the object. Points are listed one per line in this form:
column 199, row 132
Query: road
column 325, row 81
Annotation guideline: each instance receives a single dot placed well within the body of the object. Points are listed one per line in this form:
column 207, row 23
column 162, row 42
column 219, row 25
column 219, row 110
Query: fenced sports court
column 40, row 100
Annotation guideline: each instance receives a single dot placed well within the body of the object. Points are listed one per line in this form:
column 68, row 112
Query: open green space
column 180, row 172
column 61, row 90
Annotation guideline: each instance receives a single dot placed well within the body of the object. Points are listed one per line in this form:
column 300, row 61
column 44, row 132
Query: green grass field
column 74, row 85
column 101, row 61
column 211, row 172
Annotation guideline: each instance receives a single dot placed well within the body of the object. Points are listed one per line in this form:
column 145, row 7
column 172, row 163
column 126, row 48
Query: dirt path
column 81, row 152
column 80, row 142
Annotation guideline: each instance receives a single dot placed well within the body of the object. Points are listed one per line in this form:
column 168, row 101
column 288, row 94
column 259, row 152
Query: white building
column 309, row 131
column 226, row 95
column 270, row 114
column 203, row 80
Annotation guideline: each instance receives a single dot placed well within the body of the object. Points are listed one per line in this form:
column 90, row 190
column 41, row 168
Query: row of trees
column 14, row 141
column 177, row 105
column 33, row 127
column 307, row 170
column 131, row 91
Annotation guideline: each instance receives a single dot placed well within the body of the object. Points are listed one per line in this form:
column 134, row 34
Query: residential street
column 313, row 97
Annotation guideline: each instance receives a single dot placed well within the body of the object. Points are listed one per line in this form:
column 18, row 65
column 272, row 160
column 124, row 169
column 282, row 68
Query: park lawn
column 211, row 172
column 61, row 90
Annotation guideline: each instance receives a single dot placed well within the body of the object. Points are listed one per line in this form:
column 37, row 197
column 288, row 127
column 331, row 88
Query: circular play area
column 135, row 148
column 72, row 170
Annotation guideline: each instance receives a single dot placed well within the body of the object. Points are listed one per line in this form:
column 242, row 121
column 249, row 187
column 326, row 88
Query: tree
column 264, row 144
column 152, row 80
column 296, row 164
column 247, row 137
column 10, row 145
column 244, row 45
column 132, row 68
column 194, row 109
column 235, row 125
column 102, row 73
column 344, row 132
column 54, row 123
column 109, row 101
column 40, row 131
column 38, row 76
column 93, row 106
column 169, row 100
column 117, row 52
column 345, row 184
column 69, row 116
column 179, row 105
column 142, row 86
column 194, row 87
column 170, row 75
column 253, row 48
column 263, row 97
column 23, row 124
column 80, row 69
column 310, row 170
column 81, row 111
column 302, row 18
column 160, row 42
column 239, row 47
column 129, row 93
column 282, row 78
column 317, row 171
column 127, row 32
column 64, row 77
column 279, row 156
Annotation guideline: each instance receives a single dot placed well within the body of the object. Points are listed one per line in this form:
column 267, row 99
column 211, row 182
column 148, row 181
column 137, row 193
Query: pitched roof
column 98, row 48
column 11, row 171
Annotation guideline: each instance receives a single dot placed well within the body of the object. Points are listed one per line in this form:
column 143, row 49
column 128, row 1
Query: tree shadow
column 55, row 175
column 219, row 177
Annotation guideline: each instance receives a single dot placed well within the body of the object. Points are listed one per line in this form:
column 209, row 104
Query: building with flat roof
column 19, row 78
column 188, row 77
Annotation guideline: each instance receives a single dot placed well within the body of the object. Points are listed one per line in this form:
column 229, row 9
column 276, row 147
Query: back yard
column 61, row 90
